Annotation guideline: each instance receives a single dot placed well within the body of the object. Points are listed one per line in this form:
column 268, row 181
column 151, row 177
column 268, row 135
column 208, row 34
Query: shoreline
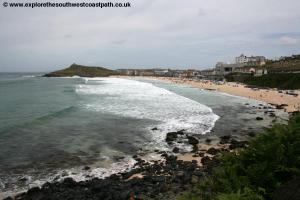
column 166, row 178
column 202, row 159
column 281, row 98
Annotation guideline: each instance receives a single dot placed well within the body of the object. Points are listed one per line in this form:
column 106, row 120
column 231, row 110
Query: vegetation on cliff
column 83, row 71
column 286, row 64
column 282, row 74
column 268, row 169
column 289, row 81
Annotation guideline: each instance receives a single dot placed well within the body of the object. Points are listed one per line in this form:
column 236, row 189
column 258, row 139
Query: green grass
column 290, row 81
column 289, row 64
column 255, row 173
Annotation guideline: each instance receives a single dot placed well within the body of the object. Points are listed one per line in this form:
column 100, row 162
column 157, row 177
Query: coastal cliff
column 83, row 71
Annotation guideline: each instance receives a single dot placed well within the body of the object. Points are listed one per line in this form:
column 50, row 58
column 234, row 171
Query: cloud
column 285, row 40
column 171, row 33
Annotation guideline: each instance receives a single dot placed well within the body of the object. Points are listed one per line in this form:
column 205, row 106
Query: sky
column 173, row 34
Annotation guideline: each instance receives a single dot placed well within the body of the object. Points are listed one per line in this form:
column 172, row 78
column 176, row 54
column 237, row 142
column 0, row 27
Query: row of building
column 243, row 64
column 160, row 72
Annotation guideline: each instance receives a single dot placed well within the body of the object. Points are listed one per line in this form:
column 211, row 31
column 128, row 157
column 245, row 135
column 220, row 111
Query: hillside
column 282, row 74
column 83, row 71
column 285, row 81
column 284, row 65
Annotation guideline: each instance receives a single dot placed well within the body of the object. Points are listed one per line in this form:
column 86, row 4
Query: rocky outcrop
column 163, row 179
column 82, row 71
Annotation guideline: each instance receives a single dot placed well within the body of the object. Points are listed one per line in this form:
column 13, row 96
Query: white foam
column 140, row 100
column 77, row 174
column 29, row 76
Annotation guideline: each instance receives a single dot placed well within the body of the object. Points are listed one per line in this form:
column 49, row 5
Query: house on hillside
column 250, row 61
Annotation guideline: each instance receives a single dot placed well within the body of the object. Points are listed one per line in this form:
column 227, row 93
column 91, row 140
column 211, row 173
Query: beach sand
column 271, row 96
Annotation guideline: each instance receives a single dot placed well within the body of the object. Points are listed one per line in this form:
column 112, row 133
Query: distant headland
column 82, row 71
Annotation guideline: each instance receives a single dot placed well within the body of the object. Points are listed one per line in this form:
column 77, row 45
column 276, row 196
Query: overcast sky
column 152, row 33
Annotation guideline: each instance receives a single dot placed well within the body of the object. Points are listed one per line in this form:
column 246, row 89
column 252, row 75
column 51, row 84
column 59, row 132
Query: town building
column 245, row 70
column 250, row 61
column 223, row 69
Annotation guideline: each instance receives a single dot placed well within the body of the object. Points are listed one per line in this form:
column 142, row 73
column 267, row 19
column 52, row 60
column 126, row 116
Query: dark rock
column 198, row 173
column 154, row 129
column 195, row 162
column 192, row 140
column 86, row 168
column 161, row 180
column 64, row 173
column 176, row 150
column 205, row 160
column 213, row 151
column 195, row 148
column 201, row 154
column 259, row 118
column 280, row 106
column 225, row 139
column 237, row 144
column 8, row 198
column 208, row 140
column 171, row 137
column 252, row 134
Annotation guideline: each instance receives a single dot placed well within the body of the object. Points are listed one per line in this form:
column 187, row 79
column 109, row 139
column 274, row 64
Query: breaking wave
column 130, row 98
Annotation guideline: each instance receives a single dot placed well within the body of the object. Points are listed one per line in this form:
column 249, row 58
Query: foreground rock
column 162, row 180
column 165, row 179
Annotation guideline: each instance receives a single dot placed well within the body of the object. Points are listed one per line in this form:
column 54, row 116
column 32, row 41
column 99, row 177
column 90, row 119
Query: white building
column 251, row 61
column 241, row 59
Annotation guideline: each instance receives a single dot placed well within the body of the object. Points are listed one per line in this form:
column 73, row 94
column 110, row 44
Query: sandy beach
column 272, row 96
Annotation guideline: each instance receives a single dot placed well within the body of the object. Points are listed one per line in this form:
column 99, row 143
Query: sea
column 53, row 128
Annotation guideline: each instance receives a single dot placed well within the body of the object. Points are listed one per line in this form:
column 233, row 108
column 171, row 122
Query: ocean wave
column 77, row 174
column 57, row 114
column 130, row 98
column 30, row 76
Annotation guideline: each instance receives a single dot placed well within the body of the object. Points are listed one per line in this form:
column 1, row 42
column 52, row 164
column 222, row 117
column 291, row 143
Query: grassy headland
column 83, row 71
column 267, row 169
